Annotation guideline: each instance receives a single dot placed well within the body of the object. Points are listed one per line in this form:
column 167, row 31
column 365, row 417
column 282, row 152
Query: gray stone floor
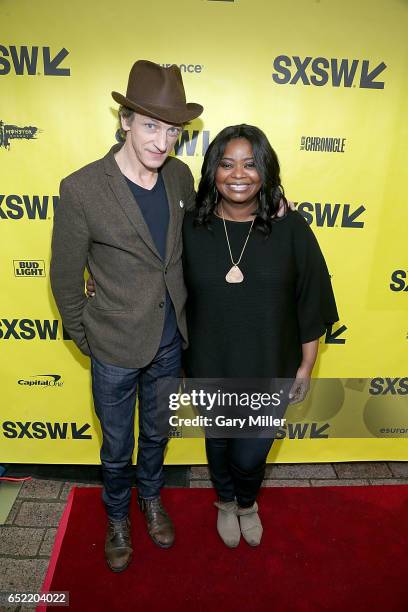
column 27, row 537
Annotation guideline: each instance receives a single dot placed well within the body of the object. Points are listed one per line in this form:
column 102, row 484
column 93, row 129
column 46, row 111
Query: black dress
column 253, row 329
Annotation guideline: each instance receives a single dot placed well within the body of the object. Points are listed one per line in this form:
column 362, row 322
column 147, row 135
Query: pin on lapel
column 181, row 204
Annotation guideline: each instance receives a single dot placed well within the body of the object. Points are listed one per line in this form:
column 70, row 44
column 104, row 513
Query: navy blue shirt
column 155, row 209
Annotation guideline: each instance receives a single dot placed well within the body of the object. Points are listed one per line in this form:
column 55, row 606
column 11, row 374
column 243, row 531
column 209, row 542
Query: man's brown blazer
column 98, row 224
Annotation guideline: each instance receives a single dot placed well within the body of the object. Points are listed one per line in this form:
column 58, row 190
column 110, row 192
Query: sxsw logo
column 331, row 215
column 300, row 431
column 16, row 207
column 335, row 337
column 320, row 71
column 190, row 145
column 43, row 430
column 189, row 68
column 389, row 386
column 322, row 145
column 42, row 380
column 33, row 61
column 175, row 432
column 29, row 267
column 30, row 329
column 399, row 280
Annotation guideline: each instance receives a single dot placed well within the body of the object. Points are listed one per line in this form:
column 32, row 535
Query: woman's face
column 236, row 178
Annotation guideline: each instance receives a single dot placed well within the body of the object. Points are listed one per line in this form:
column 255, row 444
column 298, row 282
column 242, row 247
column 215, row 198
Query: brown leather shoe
column 118, row 545
column 159, row 525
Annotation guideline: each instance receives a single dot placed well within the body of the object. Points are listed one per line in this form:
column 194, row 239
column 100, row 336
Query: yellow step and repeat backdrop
column 327, row 83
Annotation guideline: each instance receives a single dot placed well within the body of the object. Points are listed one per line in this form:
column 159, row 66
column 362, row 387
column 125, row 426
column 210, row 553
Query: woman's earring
column 216, row 195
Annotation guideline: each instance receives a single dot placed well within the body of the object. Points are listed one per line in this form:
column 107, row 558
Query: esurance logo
column 331, row 215
column 399, row 280
column 29, row 267
column 322, row 144
column 30, row 329
column 16, row 207
column 11, row 132
column 33, row 61
column 320, row 71
column 189, row 68
column 42, row 380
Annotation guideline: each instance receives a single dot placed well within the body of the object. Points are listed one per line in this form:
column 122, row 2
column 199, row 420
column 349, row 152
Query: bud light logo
column 29, row 267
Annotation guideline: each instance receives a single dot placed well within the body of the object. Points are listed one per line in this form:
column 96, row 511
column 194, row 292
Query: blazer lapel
column 127, row 201
column 174, row 204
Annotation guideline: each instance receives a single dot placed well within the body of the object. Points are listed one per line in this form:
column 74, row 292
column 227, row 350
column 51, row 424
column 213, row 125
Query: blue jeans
column 114, row 392
column 237, row 467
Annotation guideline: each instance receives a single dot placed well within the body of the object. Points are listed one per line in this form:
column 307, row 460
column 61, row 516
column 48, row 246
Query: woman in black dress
column 259, row 299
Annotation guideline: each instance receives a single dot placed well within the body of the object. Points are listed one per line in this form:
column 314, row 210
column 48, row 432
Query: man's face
column 152, row 140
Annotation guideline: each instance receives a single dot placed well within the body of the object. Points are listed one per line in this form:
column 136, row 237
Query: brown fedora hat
column 158, row 92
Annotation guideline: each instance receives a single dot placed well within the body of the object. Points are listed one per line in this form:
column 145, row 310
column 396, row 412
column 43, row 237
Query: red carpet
column 324, row 548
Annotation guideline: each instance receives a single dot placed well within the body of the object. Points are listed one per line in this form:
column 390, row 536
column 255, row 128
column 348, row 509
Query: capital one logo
column 42, row 381
column 33, row 61
column 320, row 71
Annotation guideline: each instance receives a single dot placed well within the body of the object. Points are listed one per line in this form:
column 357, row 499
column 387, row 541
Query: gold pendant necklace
column 234, row 275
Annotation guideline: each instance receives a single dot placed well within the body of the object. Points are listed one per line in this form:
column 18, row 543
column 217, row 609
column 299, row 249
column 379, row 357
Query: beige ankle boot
column 251, row 526
column 227, row 523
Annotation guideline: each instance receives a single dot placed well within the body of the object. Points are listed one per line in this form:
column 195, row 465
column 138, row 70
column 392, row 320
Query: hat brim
column 164, row 113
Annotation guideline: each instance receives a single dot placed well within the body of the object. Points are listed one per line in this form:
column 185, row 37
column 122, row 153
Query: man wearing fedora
column 121, row 217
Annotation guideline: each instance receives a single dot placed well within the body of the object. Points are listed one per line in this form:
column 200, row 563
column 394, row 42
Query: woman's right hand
column 90, row 287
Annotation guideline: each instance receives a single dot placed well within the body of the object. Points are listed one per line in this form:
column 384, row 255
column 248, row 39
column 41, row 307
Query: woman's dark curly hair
column 267, row 165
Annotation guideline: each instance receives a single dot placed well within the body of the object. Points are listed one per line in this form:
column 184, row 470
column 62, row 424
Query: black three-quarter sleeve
column 316, row 305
